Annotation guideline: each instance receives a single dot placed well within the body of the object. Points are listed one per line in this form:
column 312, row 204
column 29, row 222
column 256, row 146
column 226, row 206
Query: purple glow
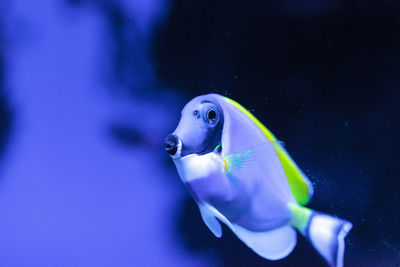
column 69, row 194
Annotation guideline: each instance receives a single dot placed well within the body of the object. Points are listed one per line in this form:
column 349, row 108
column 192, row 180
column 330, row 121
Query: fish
column 240, row 174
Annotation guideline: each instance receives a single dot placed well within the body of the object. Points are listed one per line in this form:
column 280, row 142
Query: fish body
column 240, row 174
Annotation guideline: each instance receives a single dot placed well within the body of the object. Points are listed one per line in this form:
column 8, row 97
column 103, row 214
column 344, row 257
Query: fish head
column 199, row 130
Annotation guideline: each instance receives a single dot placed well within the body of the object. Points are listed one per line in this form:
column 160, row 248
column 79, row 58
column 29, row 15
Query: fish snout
column 172, row 145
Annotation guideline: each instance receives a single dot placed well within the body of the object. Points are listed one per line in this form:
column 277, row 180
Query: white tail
column 327, row 234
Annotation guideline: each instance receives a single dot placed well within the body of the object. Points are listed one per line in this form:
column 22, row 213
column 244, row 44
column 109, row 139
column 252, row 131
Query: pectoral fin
column 240, row 163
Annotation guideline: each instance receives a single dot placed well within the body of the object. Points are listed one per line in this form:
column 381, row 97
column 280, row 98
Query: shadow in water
column 5, row 110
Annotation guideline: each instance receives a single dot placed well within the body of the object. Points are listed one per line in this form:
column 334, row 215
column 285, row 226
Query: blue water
column 90, row 89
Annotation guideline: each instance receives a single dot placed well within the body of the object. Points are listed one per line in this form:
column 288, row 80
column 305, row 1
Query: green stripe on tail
column 300, row 217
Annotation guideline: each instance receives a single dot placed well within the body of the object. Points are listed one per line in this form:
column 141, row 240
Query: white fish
column 240, row 174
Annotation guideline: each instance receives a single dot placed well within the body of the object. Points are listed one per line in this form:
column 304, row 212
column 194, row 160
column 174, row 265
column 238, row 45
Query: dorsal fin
column 299, row 184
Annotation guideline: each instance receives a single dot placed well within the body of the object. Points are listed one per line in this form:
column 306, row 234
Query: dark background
column 323, row 76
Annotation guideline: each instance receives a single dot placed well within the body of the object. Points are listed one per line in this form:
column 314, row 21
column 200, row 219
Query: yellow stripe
column 293, row 173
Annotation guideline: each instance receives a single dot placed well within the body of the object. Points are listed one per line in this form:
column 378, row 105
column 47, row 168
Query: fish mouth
column 178, row 152
column 173, row 146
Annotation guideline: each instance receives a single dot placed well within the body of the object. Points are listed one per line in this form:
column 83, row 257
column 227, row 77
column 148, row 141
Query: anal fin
column 272, row 245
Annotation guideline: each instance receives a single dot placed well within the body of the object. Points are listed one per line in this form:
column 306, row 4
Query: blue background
column 90, row 88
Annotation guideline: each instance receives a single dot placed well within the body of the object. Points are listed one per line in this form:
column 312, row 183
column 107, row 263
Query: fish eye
column 211, row 114
column 196, row 113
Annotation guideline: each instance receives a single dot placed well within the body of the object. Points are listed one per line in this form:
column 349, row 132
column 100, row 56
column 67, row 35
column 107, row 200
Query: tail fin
column 325, row 232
